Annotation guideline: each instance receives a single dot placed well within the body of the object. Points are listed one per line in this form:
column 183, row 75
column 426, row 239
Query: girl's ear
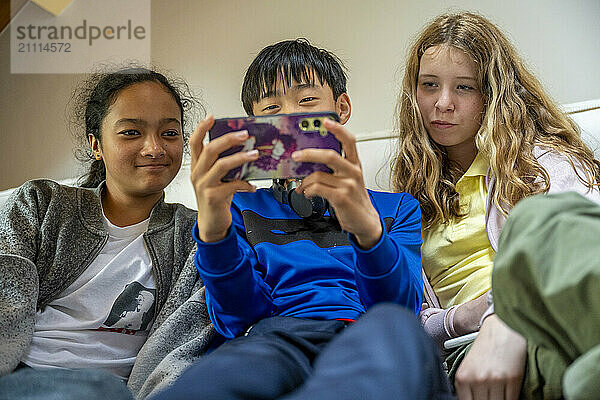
column 343, row 107
column 95, row 146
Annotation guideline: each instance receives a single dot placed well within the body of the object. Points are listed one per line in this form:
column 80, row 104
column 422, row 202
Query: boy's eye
column 270, row 107
column 129, row 132
column 171, row 133
column 307, row 99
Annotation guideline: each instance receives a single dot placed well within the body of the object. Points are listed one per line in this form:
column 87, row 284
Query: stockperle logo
column 72, row 36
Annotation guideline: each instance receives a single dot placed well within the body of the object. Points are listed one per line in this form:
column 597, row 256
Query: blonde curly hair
column 518, row 115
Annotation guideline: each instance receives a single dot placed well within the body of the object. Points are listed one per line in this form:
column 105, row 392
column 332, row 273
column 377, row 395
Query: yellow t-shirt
column 457, row 257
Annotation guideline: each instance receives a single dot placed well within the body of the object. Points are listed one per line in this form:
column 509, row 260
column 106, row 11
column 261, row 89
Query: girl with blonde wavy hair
column 476, row 134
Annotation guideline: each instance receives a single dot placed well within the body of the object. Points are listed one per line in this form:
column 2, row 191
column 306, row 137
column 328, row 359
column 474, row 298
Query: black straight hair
column 291, row 60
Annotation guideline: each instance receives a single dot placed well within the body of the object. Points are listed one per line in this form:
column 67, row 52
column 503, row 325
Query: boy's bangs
column 287, row 74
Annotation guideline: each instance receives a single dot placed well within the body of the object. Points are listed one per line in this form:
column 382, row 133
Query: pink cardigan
column 562, row 179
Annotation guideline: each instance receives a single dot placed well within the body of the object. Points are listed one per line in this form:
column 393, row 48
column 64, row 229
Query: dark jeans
column 62, row 384
column 384, row 355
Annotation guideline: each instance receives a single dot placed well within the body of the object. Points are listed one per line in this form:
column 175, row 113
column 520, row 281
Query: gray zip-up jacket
column 50, row 233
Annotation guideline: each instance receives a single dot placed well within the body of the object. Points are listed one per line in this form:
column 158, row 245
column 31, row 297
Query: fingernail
column 252, row 153
column 296, row 155
column 242, row 134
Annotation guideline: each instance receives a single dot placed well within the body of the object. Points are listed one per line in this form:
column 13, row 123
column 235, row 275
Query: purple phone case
column 276, row 137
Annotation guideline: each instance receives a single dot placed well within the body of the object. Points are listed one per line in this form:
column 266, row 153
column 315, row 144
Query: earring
column 98, row 157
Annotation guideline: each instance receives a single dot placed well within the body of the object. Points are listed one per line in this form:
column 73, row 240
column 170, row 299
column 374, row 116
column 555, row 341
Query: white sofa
column 375, row 150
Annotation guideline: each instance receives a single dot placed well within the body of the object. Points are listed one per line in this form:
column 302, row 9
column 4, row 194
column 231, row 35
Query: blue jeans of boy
column 384, row 355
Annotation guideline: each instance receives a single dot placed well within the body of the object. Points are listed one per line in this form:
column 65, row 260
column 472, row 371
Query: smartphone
column 276, row 137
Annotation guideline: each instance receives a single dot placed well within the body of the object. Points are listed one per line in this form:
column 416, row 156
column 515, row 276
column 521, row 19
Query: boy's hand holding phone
column 344, row 188
column 213, row 196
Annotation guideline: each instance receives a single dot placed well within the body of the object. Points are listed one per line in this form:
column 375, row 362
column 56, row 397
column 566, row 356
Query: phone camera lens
column 304, row 124
column 317, row 123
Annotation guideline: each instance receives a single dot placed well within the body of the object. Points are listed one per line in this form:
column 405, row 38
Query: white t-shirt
column 102, row 319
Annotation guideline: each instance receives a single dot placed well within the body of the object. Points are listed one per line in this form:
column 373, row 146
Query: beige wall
column 210, row 43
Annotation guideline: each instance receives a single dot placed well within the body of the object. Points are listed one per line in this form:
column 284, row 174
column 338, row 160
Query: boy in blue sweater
column 279, row 285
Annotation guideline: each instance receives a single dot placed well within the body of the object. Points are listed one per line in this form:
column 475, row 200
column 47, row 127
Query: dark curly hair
column 93, row 98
